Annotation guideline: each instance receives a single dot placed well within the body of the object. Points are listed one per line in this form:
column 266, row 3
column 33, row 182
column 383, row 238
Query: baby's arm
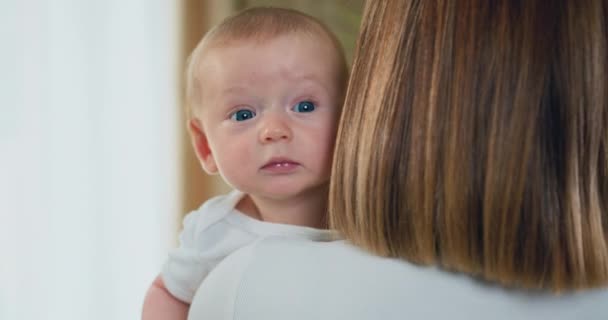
column 159, row 304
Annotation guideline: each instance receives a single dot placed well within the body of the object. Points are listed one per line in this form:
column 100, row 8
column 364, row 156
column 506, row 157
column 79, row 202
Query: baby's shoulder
column 211, row 212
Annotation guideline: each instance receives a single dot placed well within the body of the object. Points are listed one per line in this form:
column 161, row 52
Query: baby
column 265, row 90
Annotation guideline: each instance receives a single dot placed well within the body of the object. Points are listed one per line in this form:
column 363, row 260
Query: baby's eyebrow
column 306, row 77
column 305, row 80
column 234, row 90
column 311, row 81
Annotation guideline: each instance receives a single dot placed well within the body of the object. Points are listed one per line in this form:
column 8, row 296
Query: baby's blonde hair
column 257, row 25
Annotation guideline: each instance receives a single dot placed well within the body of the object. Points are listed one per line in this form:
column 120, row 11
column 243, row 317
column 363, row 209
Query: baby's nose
column 275, row 129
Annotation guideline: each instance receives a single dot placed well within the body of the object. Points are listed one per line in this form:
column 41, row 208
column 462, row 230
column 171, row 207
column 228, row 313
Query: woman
column 471, row 169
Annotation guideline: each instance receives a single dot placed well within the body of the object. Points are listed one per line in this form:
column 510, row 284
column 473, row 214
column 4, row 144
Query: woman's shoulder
column 295, row 279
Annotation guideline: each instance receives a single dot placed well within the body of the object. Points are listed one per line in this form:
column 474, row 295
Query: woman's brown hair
column 475, row 137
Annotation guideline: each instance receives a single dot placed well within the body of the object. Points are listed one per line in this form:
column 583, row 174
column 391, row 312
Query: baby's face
column 269, row 111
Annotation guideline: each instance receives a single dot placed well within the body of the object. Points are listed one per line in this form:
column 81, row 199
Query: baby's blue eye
column 242, row 115
column 304, row 106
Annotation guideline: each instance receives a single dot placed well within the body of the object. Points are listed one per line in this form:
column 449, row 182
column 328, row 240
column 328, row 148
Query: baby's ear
column 201, row 146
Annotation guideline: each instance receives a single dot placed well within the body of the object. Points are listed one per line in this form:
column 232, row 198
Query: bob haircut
column 257, row 25
column 475, row 137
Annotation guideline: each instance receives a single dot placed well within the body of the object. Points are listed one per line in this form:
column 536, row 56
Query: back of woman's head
column 475, row 136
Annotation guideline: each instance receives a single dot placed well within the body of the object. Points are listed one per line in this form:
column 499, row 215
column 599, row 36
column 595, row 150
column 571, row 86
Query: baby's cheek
column 325, row 155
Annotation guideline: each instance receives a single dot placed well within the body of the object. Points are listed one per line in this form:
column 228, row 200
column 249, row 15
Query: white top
column 214, row 231
column 290, row 279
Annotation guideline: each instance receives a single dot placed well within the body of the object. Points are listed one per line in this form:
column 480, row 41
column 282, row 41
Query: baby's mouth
column 280, row 165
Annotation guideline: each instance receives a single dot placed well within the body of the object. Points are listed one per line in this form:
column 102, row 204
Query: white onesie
column 213, row 232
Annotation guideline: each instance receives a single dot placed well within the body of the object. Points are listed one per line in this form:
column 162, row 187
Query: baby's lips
column 280, row 165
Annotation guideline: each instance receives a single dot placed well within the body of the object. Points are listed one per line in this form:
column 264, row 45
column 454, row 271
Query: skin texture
column 280, row 156
column 160, row 304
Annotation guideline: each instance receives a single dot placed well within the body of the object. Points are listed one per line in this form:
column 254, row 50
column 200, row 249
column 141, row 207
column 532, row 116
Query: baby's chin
column 292, row 193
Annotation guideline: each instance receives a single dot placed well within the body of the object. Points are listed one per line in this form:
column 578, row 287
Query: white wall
column 88, row 154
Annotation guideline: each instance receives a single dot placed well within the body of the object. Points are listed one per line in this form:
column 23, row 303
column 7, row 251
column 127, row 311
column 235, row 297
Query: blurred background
column 96, row 171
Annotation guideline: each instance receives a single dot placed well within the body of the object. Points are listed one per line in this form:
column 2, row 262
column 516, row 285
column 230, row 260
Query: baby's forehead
column 218, row 55
column 227, row 42
column 285, row 58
